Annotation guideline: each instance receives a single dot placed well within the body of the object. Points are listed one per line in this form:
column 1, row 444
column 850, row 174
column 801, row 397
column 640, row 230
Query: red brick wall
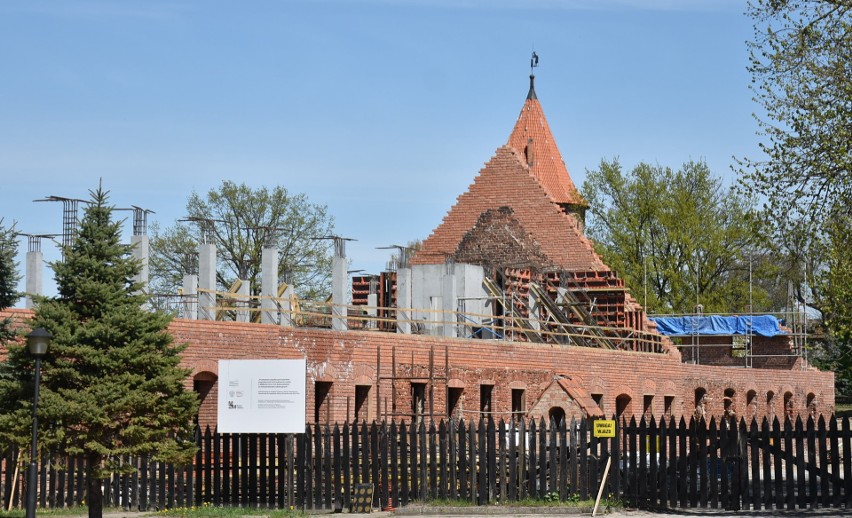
column 347, row 359
column 344, row 357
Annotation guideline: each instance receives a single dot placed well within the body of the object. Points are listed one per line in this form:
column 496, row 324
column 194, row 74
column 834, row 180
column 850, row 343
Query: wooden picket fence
column 667, row 464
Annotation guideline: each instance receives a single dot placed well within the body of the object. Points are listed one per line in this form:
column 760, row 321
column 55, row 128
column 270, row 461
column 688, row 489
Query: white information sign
column 262, row 396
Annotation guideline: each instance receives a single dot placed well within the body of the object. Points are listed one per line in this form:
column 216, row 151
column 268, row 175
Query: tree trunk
column 95, row 497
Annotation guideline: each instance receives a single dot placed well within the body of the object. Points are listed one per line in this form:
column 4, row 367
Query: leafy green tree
column 111, row 381
column 691, row 240
column 833, row 289
column 801, row 65
column 240, row 220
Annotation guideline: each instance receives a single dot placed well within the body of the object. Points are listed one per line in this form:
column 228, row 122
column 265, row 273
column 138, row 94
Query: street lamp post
column 37, row 341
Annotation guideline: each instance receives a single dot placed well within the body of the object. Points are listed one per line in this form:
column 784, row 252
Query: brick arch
column 324, row 371
column 597, row 386
column 211, row 366
column 365, row 371
column 364, row 380
column 649, row 387
column 668, row 388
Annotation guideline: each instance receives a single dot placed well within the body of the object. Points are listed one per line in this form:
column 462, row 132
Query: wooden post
column 603, row 483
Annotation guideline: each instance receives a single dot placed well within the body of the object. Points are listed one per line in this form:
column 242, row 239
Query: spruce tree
column 111, row 381
column 8, row 283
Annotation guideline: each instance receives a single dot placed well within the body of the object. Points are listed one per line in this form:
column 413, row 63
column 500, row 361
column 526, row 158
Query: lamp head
column 38, row 340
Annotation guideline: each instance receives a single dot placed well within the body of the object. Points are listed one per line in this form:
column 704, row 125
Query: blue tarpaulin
column 763, row 325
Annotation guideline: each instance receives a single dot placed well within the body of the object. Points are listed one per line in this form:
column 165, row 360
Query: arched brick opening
column 700, row 400
column 623, row 405
column 729, row 403
column 204, row 384
column 811, row 405
column 556, row 416
column 789, row 404
column 751, row 403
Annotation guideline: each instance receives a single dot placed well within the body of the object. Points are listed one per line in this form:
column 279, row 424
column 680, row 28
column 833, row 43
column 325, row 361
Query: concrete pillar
column 141, row 252
column 243, row 301
column 449, row 301
column 207, row 281
column 35, row 268
column 535, row 311
column 269, row 285
column 338, row 293
column 403, row 300
column 286, row 306
column 190, row 297
column 372, row 309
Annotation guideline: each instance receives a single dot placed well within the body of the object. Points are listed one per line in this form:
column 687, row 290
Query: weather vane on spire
column 533, row 62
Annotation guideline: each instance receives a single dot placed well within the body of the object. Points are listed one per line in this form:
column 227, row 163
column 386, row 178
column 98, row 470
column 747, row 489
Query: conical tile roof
column 532, row 139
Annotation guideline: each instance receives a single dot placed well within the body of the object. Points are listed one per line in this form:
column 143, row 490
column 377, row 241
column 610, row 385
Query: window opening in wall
column 729, row 403
column 751, row 403
column 647, row 406
column 812, row 405
column 203, row 384
column 700, row 403
column 556, row 415
column 519, row 404
column 623, row 406
column 668, row 404
column 789, row 405
column 418, row 402
column 770, row 403
column 322, row 402
column 598, row 399
column 362, row 403
column 454, row 400
column 485, row 400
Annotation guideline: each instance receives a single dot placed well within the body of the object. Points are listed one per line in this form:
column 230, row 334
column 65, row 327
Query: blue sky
column 384, row 110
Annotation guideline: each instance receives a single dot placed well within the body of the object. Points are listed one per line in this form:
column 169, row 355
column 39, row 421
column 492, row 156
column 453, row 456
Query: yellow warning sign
column 605, row 428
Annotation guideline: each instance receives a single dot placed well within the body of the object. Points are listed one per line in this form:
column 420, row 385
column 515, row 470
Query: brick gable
column 498, row 239
column 506, row 181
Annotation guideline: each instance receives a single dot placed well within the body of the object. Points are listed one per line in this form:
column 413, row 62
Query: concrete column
column 35, row 268
column 141, row 252
column 286, row 307
column 243, row 302
column 372, row 309
column 338, row 293
column 403, row 300
column 190, row 297
column 269, row 285
column 207, row 281
column 449, row 301
column 535, row 311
